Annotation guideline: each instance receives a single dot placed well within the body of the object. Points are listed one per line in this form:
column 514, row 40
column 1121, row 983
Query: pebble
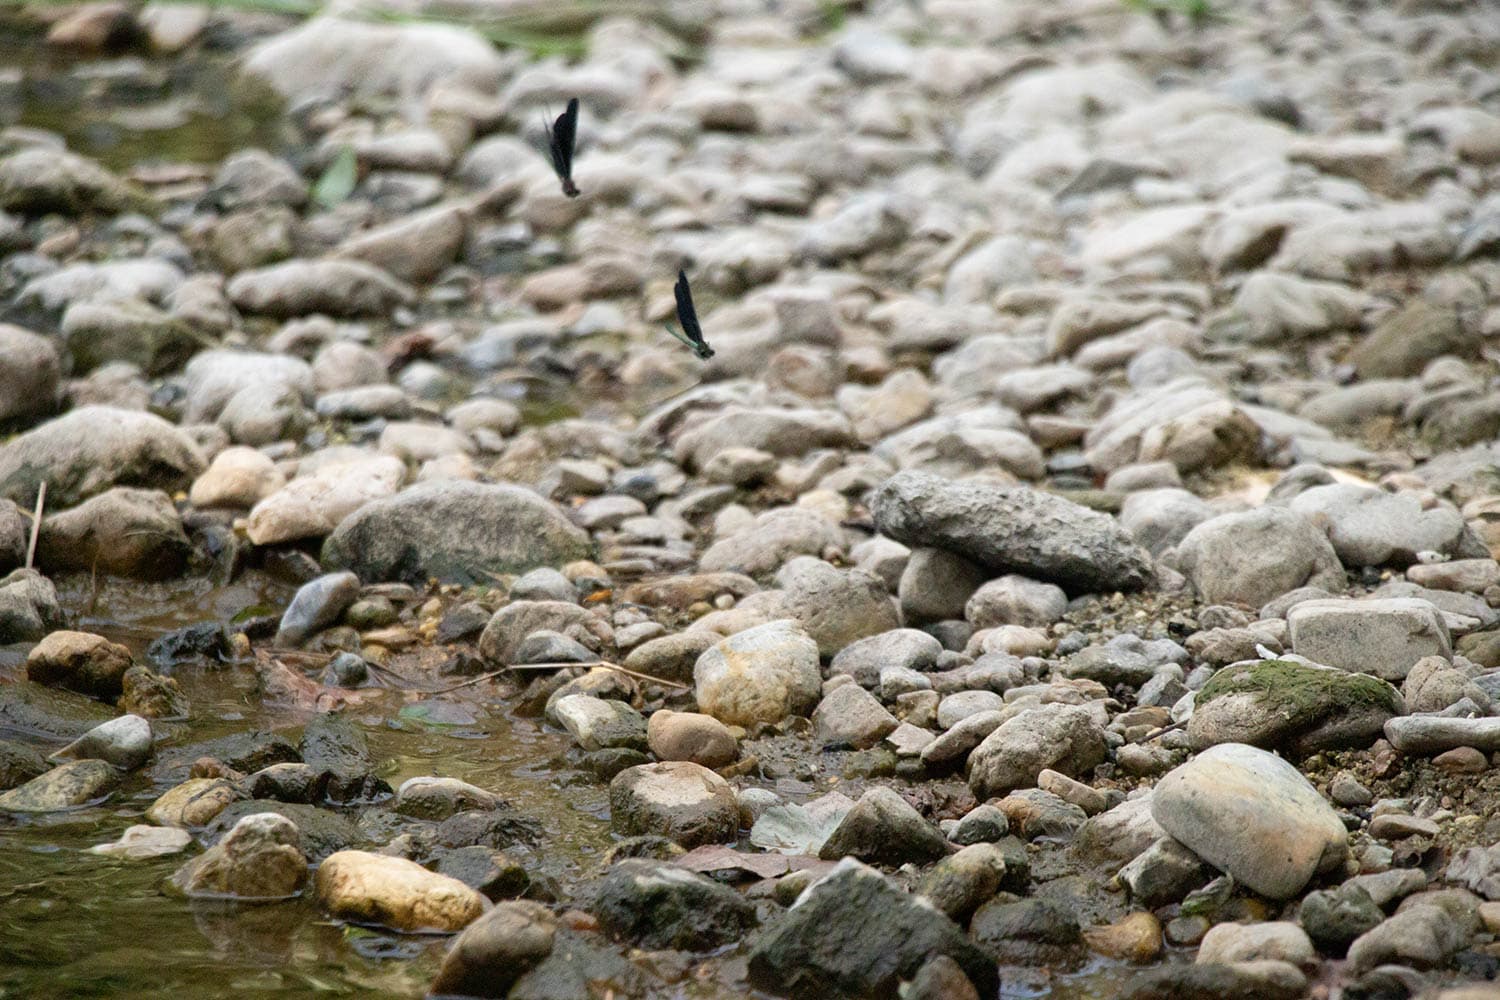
column 1062, row 738
column 66, row 786
column 683, row 801
column 1253, row 815
column 1380, row 637
column 691, row 736
column 141, row 842
column 395, row 893
column 759, row 675
column 259, row 859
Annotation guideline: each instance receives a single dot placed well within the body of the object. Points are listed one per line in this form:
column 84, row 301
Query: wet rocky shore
column 1072, row 574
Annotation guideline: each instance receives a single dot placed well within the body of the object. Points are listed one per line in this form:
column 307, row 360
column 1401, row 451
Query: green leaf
column 338, row 181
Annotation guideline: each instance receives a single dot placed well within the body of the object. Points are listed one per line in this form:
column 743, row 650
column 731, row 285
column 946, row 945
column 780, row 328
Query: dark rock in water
column 317, row 605
column 455, row 531
column 346, row 670
column 286, row 783
column 28, row 607
column 498, row 828
column 243, row 752
column 1029, row 932
column 1333, row 919
column 498, row 876
column 335, row 747
column 605, row 764
column 655, row 905
column 28, row 707
column 200, row 641
column 323, row 831
column 854, row 933
column 1222, row 982
column 19, row 763
column 577, row 967
column 940, row 978
column 496, row 950
column 1013, row 529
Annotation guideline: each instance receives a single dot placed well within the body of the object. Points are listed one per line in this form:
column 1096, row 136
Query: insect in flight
column 687, row 318
column 560, row 139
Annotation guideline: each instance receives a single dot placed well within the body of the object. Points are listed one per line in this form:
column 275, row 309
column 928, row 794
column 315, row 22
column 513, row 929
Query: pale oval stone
column 394, row 892
column 193, row 803
column 759, row 675
column 237, row 477
column 676, row 799
column 312, row 506
column 1253, row 815
column 141, row 841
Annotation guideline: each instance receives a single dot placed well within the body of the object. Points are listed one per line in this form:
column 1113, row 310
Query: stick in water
column 36, row 524
column 559, row 666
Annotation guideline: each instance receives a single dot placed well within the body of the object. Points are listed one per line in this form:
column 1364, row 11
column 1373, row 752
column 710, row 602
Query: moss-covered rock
column 1294, row 707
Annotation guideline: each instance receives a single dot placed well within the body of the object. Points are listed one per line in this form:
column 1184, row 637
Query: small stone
column 439, row 798
column 1253, row 815
column 1396, row 826
column 192, row 804
column 1381, row 637
column 497, row 949
column 1134, row 938
column 1063, row 738
column 850, row 715
column 677, row 799
column 124, row 742
column 860, row 934
column 1346, row 790
column 1277, row 940
column 660, row 906
column 759, row 675
column 1333, row 919
column 80, row 661
column 690, row 736
column 66, row 786
column 884, row 828
column 260, row 858
column 395, row 893
column 960, row 883
column 140, row 842
column 1462, row 760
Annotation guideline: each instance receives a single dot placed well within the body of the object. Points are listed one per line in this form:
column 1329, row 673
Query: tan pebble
column 1134, row 938
column 1462, row 760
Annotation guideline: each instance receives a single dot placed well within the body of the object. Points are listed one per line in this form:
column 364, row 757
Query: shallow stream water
column 75, row 924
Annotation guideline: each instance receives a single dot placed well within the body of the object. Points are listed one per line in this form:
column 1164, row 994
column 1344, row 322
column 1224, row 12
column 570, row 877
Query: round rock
column 677, row 799
column 759, row 675
column 1253, row 815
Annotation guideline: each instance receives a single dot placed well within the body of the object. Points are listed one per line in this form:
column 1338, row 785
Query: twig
column 558, row 666
column 1164, row 730
column 36, row 524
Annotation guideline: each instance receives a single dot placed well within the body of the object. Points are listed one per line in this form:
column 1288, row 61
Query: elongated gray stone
column 1013, row 529
column 1432, row 734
